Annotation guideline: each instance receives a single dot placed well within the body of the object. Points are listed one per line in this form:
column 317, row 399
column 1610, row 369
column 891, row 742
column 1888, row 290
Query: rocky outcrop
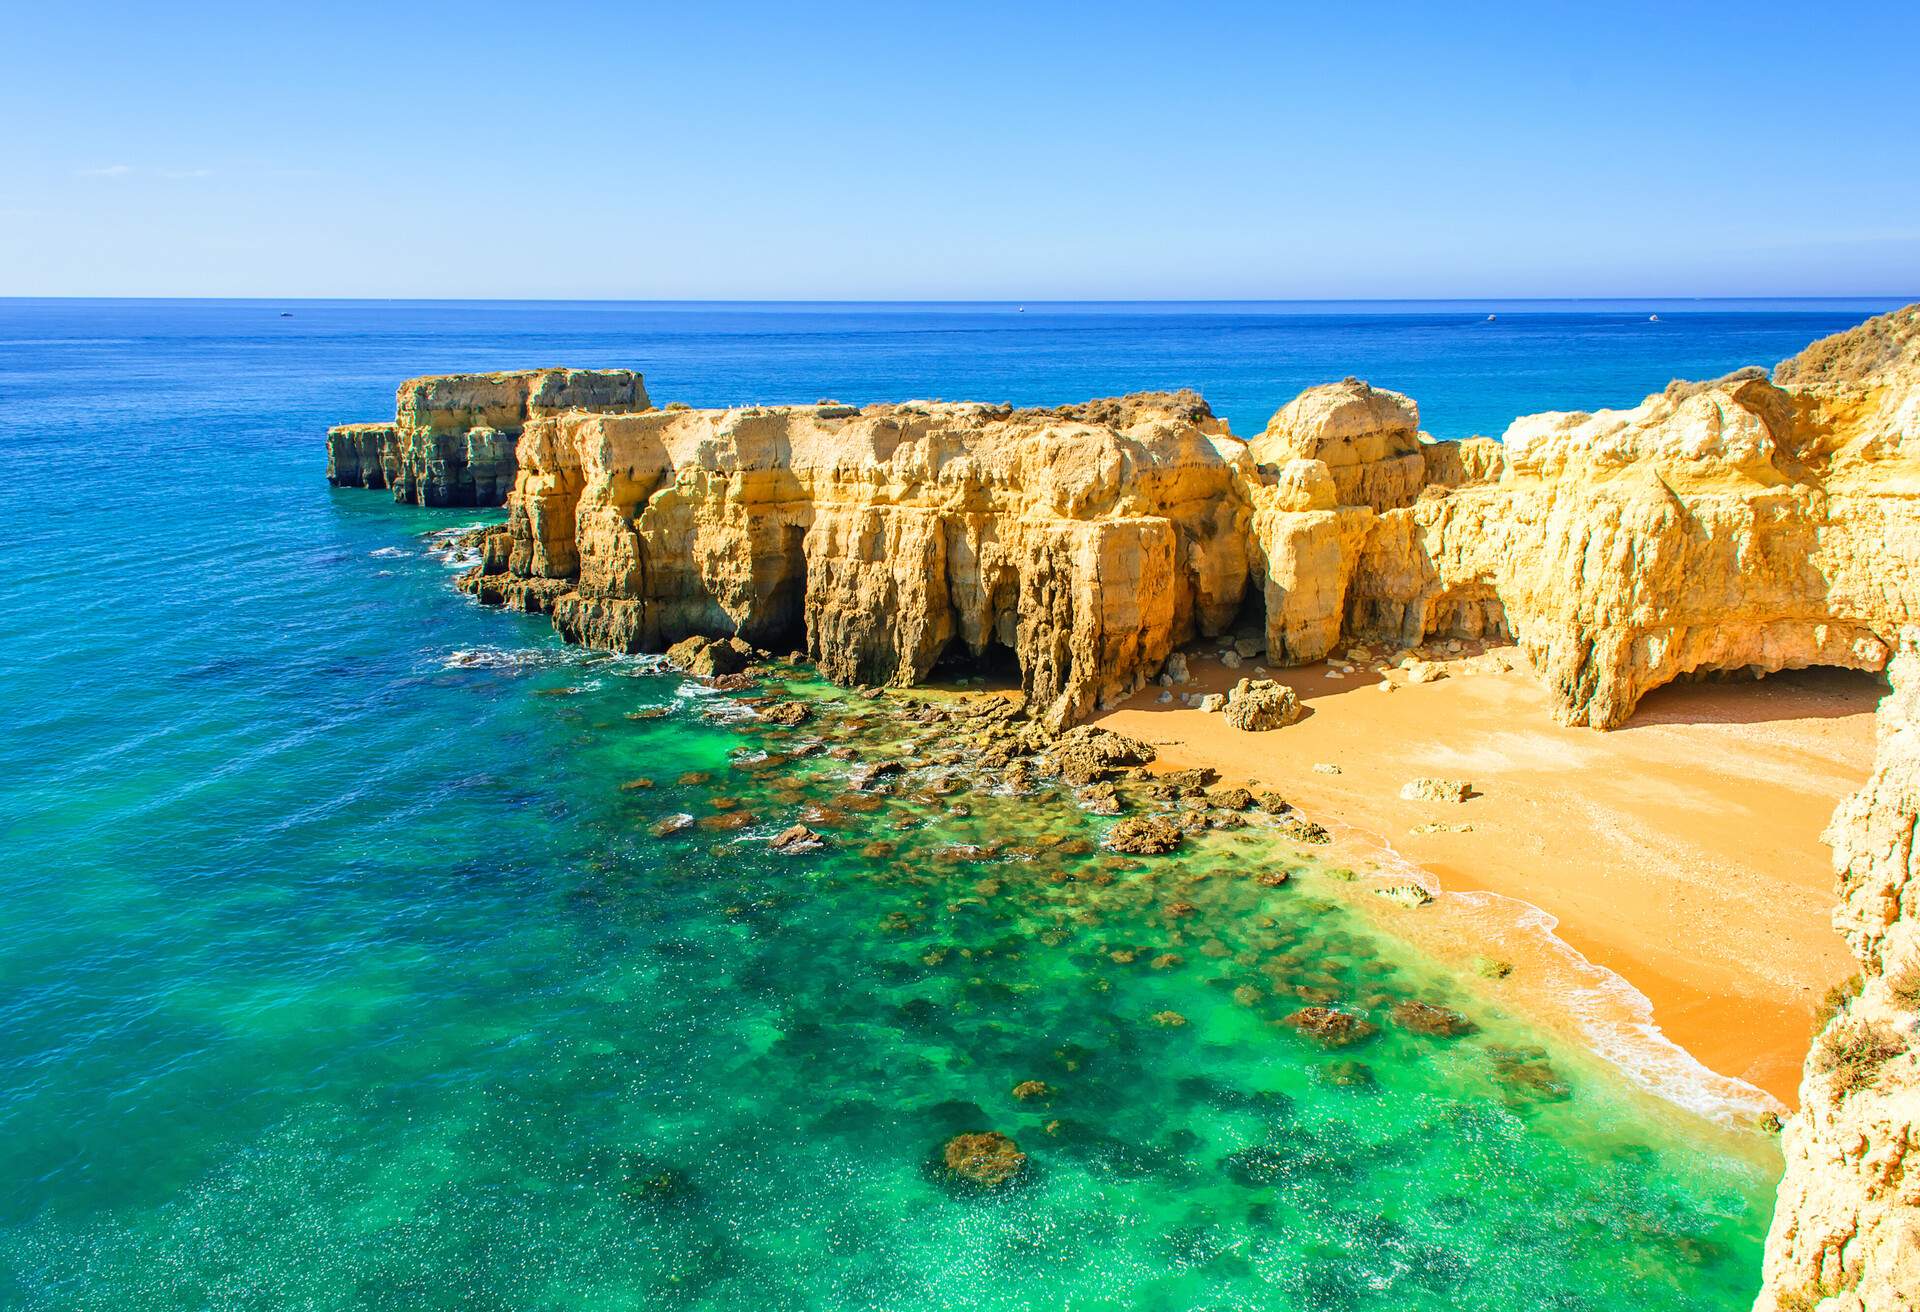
column 1740, row 525
column 1743, row 525
column 1088, row 541
column 1846, row 1232
column 453, row 439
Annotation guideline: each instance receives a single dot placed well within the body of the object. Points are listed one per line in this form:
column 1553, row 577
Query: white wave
column 388, row 553
column 1614, row 1018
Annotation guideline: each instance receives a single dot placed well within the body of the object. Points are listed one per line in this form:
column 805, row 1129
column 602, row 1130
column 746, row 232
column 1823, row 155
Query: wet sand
column 1681, row 852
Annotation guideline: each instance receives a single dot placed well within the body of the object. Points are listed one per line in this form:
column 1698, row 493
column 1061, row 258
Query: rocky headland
column 1750, row 524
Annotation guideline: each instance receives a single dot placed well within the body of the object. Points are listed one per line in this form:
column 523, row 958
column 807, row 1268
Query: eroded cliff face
column 453, row 439
column 1087, row 541
column 1735, row 525
column 1846, row 1233
column 1744, row 524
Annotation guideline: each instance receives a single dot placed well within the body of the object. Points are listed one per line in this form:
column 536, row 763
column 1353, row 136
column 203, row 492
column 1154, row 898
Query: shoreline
column 1679, row 855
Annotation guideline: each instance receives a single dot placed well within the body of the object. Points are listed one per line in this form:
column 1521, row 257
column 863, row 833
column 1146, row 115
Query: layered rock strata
column 1747, row 524
column 1846, row 1233
column 453, row 439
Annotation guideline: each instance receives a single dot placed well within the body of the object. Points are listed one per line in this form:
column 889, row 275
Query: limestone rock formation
column 453, row 439
column 1257, row 705
column 1846, row 1232
column 1091, row 541
column 1742, row 525
column 1429, row 789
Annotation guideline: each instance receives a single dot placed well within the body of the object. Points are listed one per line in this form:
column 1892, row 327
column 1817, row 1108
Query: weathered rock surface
column 1746, row 524
column 453, row 439
column 1257, row 705
column 1846, row 1232
column 1428, row 789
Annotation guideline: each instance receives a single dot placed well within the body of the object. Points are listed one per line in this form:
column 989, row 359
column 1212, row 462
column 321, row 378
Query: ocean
column 341, row 966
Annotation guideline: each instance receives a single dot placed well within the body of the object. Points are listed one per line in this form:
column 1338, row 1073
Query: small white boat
column 1653, row 318
column 1492, row 317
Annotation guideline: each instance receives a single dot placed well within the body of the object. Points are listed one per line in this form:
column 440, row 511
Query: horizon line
column 1904, row 297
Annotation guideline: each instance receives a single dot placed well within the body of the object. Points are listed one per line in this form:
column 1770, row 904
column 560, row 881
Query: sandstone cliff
column 453, row 439
column 1087, row 542
column 1846, row 1235
column 1739, row 525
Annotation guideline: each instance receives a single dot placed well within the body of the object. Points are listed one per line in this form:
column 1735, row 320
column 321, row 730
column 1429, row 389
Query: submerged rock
column 984, row 1158
column 1331, row 1027
column 1430, row 1020
column 670, row 824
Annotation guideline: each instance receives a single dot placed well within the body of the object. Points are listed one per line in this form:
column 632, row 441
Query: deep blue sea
column 340, row 966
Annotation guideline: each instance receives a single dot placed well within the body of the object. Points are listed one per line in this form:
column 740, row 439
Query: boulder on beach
column 1428, row 789
column 1258, row 705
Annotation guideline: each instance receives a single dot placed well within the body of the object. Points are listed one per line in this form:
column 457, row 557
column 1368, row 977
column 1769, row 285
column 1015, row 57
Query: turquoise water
column 339, row 969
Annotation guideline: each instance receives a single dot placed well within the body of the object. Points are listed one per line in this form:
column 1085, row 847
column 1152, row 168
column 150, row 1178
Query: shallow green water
column 337, row 968
column 692, row 1071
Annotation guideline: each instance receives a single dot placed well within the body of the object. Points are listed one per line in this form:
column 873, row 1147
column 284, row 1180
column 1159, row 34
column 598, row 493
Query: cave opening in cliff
column 1250, row 619
column 995, row 663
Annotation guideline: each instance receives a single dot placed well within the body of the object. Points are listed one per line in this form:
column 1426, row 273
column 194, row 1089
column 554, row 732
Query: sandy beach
column 1681, row 852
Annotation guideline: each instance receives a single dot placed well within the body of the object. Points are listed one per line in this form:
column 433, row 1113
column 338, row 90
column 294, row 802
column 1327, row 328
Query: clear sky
column 898, row 150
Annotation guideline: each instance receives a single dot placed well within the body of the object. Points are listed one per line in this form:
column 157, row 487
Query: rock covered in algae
column 797, row 838
column 1088, row 754
column 1030, row 1089
column 1302, row 830
column 1431, row 1020
column 670, row 824
column 1409, row 895
column 1258, row 705
column 1100, row 799
column 788, row 714
column 1330, row 1027
column 1145, row 835
column 984, row 1158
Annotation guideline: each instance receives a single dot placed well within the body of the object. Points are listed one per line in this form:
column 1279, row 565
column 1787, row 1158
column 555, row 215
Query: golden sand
column 1681, row 852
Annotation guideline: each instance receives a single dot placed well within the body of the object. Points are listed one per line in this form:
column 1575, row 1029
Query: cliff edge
column 1743, row 525
column 1846, row 1233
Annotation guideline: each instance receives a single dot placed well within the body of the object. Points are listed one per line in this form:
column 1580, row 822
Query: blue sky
column 1025, row 151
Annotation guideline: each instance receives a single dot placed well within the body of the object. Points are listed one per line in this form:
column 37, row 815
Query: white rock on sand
column 1436, row 790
